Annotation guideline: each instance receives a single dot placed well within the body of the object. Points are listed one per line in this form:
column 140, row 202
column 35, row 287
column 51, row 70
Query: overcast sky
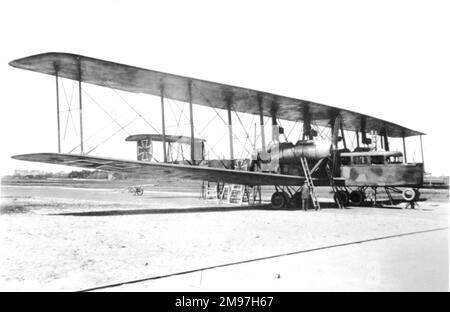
column 388, row 59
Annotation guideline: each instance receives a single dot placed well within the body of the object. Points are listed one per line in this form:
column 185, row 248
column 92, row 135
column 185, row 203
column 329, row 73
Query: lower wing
column 149, row 169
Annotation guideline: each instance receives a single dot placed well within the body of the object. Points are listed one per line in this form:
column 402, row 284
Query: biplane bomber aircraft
column 288, row 166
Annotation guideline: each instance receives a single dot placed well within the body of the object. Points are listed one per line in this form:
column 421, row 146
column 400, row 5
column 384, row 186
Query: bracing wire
column 108, row 138
column 90, row 137
column 109, row 115
column 292, row 129
column 199, row 134
column 177, row 129
column 248, row 135
column 114, row 120
column 130, row 106
column 215, row 110
column 69, row 105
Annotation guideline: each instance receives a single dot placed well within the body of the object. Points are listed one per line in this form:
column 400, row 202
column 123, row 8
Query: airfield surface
column 81, row 236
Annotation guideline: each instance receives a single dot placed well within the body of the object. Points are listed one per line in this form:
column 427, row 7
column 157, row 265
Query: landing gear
column 410, row 194
column 289, row 197
column 357, row 197
column 297, row 199
column 279, row 200
column 342, row 197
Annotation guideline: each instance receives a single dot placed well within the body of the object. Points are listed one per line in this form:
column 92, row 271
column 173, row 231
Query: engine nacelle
column 288, row 153
column 308, row 149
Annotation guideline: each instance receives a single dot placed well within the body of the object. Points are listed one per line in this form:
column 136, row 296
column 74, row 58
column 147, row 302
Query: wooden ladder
column 211, row 191
column 225, row 193
column 333, row 186
column 309, row 182
column 237, row 194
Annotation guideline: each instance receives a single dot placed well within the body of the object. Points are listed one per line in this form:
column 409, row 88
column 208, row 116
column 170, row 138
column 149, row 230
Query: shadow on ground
column 323, row 205
column 184, row 210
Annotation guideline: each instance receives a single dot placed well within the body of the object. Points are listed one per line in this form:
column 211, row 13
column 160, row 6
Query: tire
column 287, row 196
column 357, row 198
column 410, row 194
column 279, row 200
column 342, row 196
column 288, row 199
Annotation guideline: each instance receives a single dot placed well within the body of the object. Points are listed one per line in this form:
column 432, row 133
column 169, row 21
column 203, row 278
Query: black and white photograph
column 209, row 147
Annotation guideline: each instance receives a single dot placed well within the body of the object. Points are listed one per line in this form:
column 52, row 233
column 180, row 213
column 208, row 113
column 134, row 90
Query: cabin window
column 395, row 159
column 360, row 160
column 377, row 160
column 345, row 160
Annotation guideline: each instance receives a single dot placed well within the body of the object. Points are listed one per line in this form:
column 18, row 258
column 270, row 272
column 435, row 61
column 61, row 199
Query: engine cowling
column 288, row 153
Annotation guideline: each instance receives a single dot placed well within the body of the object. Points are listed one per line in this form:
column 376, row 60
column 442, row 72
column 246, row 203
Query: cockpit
column 371, row 158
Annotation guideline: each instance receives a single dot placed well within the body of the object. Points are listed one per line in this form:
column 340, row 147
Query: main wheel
column 410, row 194
column 279, row 200
column 357, row 198
column 342, row 197
column 288, row 198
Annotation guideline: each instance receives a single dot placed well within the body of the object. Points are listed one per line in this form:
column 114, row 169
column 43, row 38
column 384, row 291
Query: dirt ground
column 70, row 238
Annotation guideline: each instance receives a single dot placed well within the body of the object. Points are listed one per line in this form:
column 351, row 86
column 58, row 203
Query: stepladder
column 309, row 183
column 336, row 198
column 238, row 194
column 210, row 191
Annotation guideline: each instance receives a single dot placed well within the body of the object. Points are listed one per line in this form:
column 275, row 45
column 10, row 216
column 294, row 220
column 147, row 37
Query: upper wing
column 139, row 80
column 164, row 170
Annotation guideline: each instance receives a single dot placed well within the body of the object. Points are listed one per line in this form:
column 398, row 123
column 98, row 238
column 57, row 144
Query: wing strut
column 191, row 121
column 230, row 133
column 306, row 124
column 57, row 108
column 357, row 138
column 163, row 124
column 421, row 148
column 310, row 183
column 404, row 150
column 139, row 80
column 261, row 122
column 343, row 136
column 81, row 107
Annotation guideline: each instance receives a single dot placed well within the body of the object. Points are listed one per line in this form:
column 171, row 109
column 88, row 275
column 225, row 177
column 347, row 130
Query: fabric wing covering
column 201, row 92
column 155, row 170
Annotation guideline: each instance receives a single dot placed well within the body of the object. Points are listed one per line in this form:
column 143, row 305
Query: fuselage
column 382, row 168
column 355, row 169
